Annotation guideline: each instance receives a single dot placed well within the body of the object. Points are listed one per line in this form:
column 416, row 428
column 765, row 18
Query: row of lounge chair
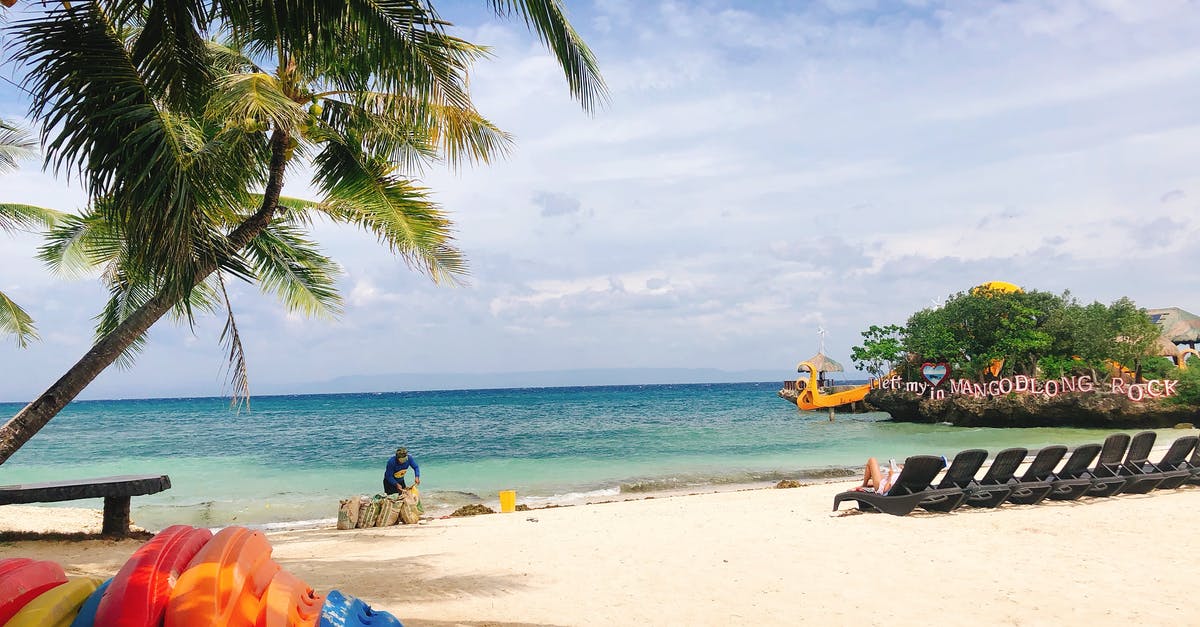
column 1122, row 466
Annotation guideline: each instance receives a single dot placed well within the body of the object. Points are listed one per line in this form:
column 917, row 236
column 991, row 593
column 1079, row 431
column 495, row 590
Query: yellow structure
column 999, row 286
column 813, row 392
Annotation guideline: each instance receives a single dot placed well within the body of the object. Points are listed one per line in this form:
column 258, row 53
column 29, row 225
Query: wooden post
column 116, row 516
column 830, row 414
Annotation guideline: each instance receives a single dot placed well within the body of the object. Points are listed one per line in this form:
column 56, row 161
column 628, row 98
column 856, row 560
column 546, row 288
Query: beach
column 749, row 557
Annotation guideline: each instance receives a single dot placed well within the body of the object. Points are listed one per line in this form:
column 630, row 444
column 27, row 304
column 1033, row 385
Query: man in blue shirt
column 393, row 475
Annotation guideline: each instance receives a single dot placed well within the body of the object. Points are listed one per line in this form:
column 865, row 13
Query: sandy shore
column 756, row 557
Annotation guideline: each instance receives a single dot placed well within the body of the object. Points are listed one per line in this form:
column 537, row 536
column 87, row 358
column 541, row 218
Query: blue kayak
column 87, row 611
column 346, row 611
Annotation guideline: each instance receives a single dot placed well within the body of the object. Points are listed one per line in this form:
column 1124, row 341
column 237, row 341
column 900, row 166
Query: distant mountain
column 403, row 382
column 416, row 381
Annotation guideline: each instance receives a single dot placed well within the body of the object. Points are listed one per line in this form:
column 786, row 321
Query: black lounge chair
column 1140, row 478
column 1193, row 466
column 1034, row 485
column 1173, row 466
column 961, row 475
column 1106, row 475
column 994, row 488
column 911, row 488
column 1073, row 479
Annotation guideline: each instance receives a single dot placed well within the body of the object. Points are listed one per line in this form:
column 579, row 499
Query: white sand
column 759, row 557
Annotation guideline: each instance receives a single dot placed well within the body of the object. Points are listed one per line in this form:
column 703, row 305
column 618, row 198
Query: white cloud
column 758, row 172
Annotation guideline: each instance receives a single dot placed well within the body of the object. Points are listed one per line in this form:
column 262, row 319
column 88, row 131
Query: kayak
column 22, row 580
column 87, row 612
column 289, row 602
column 140, row 591
column 56, row 607
column 224, row 584
column 341, row 610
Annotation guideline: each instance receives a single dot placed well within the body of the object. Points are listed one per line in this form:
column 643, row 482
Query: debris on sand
column 474, row 509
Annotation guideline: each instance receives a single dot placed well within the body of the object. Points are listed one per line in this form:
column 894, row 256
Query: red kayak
column 22, row 580
column 140, row 591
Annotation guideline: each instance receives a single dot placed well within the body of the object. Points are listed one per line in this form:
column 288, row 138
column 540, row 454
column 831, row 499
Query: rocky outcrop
column 1024, row 410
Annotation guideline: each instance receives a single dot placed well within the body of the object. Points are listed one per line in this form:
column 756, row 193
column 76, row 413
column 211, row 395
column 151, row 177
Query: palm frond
column 228, row 59
column 81, row 243
column 411, row 133
column 401, row 143
column 169, row 49
column 548, row 19
column 14, row 216
column 102, row 122
column 15, row 144
column 129, row 290
column 14, row 320
column 239, row 376
column 126, row 294
column 291, row 267
column 361, row 191
column 254, row 98
column 353, row 45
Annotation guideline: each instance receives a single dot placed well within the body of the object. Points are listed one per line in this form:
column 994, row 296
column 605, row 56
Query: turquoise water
column 291, row 458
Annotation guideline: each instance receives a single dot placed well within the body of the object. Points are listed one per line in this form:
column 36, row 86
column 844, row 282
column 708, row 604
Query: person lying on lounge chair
column 879, row 480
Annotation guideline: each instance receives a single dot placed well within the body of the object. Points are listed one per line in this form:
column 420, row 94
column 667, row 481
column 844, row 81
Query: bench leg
column 116, row 516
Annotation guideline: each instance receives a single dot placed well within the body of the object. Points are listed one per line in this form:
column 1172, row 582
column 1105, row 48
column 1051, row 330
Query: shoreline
column 65, row 519
column 753, row 556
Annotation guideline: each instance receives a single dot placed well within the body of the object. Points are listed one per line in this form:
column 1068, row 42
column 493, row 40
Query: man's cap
column 401, row 452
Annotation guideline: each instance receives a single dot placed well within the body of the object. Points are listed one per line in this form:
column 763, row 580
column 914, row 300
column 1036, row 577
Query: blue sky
column 763, row 169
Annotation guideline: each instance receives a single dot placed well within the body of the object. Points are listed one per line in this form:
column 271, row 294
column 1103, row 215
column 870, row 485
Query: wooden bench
column 114, row 490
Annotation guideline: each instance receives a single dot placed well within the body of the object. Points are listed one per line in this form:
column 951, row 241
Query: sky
column 762, row 171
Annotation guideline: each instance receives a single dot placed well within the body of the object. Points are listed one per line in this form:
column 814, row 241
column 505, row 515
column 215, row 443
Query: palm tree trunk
column 23, row 426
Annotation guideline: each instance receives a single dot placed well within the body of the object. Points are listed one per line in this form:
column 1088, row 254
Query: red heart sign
column 935, row 373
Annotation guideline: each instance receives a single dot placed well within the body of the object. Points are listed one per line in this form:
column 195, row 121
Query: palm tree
column 16, row 144
column 173, row 132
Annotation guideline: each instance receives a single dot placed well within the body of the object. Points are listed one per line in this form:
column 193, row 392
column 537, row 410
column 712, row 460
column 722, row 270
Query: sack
column 364, row 504
column 389, row 511
column 347, row 517
column 409, row 514
column 372, row 513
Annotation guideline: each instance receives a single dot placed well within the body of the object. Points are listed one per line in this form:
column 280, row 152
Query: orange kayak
column 140, row 591
column 22, row 580
column 225, row 583
column 289, row 602
column 56, row 607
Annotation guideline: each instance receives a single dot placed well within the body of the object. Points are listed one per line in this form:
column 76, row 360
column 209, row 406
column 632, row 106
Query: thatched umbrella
column 819, row 363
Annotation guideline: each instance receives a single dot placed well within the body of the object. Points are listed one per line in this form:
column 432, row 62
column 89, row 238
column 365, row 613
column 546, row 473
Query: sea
column 287, row 461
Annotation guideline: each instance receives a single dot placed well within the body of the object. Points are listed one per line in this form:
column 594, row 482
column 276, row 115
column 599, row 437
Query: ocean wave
column 295, row 525
column 688, row 481
column 570, row 498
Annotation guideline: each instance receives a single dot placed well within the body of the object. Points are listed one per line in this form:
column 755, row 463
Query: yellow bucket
column 508, row 500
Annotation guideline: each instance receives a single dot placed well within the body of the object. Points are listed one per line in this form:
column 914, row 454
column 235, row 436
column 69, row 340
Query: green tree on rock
column 1030, row 333
column 882, row 350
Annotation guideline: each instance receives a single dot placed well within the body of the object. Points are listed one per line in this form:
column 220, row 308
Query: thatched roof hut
column 819, row 363
column 1177, row 325
column 1167, row 348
